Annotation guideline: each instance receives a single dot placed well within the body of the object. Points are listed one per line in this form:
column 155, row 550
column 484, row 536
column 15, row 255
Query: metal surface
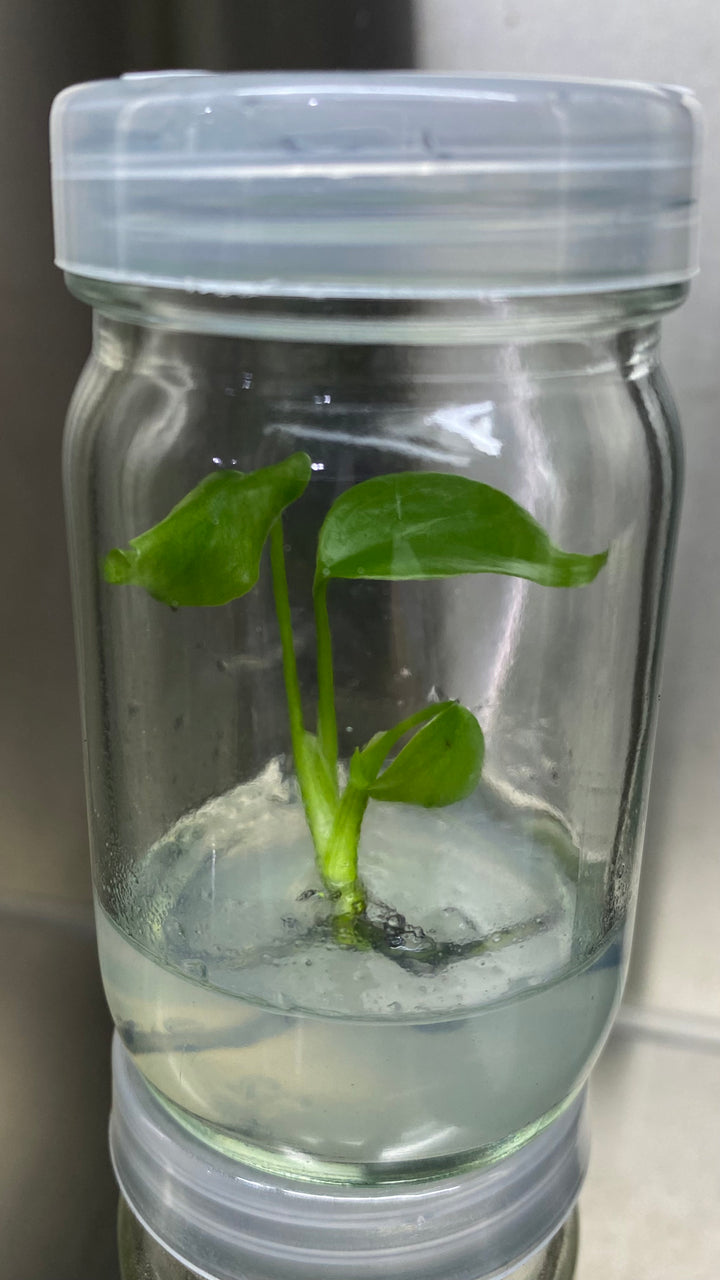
column 43, row 340
column 57, row 1195
column 240, row 35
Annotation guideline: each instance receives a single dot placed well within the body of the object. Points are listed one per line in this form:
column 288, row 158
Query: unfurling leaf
column 429, row 525
column 207, row 550
column 440, row 764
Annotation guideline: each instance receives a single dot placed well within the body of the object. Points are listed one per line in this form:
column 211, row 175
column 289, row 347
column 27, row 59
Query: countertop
column 650, row 1209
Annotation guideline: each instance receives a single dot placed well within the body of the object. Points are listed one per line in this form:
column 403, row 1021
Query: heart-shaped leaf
column 430, row 525
column 207, row 550
column 440, row 764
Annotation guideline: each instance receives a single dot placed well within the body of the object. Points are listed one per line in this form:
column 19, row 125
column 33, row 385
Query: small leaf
column 207, row 550
column 429, row 525
column 440, row 764
column 365, row 765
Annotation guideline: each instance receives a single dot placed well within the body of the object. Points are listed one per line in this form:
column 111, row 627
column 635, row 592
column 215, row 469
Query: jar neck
column 318, row 364
column 424, row 322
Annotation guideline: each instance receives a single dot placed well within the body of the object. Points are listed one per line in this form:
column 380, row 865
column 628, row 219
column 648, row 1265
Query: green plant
column 414, row 525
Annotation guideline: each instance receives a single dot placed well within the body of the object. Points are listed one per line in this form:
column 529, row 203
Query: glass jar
column 371, row 484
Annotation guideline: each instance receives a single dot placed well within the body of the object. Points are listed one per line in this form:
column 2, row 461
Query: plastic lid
column 375, row 185
column 230, row 1222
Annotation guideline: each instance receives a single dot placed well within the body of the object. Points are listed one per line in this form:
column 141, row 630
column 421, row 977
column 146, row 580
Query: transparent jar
column 369, row 715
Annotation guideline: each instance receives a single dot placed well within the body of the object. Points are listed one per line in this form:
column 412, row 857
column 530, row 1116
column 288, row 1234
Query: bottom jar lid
column 227, row 1221
column 142, row 1257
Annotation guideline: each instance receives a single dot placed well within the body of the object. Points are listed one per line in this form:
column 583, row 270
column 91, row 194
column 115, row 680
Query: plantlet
column 413, row 525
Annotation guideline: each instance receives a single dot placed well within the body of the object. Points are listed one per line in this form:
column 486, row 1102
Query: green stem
column 282, row 608
column 335, row 826
column 341, row 854
column 318, row 785
column 326, row 720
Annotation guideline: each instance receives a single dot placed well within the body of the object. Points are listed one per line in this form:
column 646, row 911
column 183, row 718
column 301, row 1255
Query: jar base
column 307, row 1167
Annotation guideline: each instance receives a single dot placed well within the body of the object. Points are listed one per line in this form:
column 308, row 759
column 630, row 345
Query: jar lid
column 227, row 1221
column 370, row 185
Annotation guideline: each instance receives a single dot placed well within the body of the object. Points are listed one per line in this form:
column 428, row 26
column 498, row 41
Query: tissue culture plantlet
column 413, row 525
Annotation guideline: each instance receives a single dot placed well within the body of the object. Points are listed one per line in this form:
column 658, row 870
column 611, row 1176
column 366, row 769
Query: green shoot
column 415, row 525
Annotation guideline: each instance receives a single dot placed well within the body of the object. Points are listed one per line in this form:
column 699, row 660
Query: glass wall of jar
column 481, row 924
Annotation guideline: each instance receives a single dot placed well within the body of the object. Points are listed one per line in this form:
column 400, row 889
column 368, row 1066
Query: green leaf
column 207, row 550
column 366, row 764
column 440, row 764
column 429, row 525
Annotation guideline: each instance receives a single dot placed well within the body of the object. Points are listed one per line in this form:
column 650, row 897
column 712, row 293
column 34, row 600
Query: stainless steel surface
column 677, row 962
column 43, row 339
column 57, row 1194
column 237, row 35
